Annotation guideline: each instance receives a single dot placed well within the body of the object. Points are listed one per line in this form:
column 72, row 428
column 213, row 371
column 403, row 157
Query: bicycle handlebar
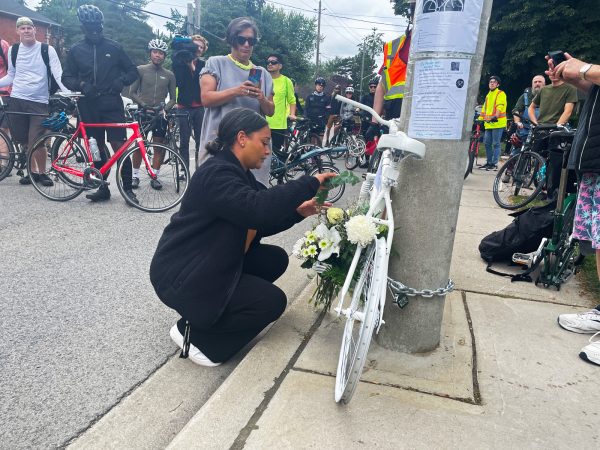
column 366, row 108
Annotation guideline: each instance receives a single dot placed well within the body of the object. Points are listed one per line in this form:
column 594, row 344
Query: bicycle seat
column 402, row 142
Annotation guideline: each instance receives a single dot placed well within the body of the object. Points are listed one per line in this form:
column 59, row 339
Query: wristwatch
column 584, row 69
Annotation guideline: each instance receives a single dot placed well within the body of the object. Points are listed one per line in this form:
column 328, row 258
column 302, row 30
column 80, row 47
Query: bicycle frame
column 81, row 131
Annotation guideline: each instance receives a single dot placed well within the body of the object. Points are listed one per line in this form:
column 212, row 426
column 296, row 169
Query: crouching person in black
column 210, row 265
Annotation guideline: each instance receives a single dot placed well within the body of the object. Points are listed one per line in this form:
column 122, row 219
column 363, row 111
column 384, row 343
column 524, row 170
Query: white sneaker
column 195, row 355
column 591, row 352
column 587, row 322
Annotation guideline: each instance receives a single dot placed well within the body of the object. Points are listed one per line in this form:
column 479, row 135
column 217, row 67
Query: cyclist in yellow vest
column 390, row 89
column 493, row 113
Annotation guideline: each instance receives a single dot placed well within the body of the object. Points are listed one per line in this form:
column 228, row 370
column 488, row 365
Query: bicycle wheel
column 375, row 160
column 515, row 184
column 471, row 159
column 173, row 135
column 7, row 155
column 361, row 320
column 336, row 193
column 173, row 177
column 56, row 167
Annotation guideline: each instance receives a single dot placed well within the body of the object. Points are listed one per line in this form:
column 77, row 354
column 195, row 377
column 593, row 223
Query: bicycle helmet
column 321, row 81
column 349, row 89
column 56, row 122
column 158, row 44
column 90, row 14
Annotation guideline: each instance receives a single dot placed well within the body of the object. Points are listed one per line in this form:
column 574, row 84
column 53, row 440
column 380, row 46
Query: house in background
column 47, row 30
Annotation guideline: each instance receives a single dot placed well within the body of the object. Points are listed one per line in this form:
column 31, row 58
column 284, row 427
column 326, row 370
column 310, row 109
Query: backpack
column 523, row 235
column 52, row 84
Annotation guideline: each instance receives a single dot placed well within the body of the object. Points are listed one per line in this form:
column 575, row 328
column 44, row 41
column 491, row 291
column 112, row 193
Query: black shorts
column 160, row 128
column 108, row 108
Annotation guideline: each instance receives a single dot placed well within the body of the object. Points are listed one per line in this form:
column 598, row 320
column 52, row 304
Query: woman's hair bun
column 214, row 146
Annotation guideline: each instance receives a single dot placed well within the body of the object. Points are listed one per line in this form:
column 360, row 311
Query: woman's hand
column 322, row 177
column 311, row 207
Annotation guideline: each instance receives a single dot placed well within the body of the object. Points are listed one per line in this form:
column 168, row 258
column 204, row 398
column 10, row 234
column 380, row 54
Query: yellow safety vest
column 394, row 70
column 494, row 105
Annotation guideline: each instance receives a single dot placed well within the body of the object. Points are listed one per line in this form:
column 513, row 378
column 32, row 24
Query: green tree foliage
column 124, row 24
column 522, row 31
column 290, row 34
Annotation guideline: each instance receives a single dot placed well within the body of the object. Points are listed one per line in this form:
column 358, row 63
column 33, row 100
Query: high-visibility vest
column 494, row 105
column 395, row 59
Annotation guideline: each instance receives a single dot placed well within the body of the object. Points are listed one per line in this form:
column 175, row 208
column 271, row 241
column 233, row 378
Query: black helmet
column 89, row 14
column 373, row 83
column 321, row 81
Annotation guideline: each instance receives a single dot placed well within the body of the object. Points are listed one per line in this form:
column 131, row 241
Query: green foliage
column 522, row 31
column 342, row 178
column 121, row 23
column 290, row 34
column 402, row 8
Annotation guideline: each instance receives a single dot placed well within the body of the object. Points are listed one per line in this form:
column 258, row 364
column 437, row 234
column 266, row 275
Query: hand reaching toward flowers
column 311, row 207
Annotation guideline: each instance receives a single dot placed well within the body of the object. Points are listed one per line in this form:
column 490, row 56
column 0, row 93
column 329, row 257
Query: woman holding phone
column 233, row 81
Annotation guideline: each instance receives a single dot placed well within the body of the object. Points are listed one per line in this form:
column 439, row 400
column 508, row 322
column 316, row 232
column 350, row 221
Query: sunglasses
column 272, row 62
column 241, row 40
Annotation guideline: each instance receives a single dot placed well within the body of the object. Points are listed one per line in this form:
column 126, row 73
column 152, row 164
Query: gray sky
column 341, row 34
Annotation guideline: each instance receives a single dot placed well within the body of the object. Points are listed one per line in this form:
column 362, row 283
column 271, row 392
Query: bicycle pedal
column 524, row 259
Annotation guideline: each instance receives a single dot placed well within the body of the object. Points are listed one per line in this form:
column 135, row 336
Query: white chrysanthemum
column 311, row 236
column 297, row 249
column 324, row 243
column 305, row 253
column 312, row 250
column 361, row 230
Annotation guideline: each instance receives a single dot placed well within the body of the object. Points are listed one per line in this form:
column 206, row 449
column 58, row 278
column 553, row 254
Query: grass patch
column 588, row 276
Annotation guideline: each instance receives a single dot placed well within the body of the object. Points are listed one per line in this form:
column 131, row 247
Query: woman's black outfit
column 200, row 267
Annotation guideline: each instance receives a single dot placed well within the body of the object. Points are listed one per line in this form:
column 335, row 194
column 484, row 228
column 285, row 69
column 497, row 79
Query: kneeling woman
column 210, row 265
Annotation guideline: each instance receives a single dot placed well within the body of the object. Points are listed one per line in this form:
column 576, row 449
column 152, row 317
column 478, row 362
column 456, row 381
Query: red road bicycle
column 474, row 144
column 67, row 160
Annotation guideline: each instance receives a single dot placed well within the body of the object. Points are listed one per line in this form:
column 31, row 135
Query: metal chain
column 401, row 292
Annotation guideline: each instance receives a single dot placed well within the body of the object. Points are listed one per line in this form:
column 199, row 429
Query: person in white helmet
column 150, row 92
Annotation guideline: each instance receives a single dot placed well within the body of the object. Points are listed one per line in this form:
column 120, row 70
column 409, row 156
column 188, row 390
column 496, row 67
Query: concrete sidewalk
column 504, row 376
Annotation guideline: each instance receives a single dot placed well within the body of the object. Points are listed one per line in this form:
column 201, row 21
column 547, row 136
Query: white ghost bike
column 363, row 310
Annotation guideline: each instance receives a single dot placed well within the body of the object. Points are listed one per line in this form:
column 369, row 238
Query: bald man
column 522, row 106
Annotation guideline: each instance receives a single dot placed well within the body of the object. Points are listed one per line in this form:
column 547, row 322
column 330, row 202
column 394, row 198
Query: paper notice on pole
column 447, row 26
column 438, row 98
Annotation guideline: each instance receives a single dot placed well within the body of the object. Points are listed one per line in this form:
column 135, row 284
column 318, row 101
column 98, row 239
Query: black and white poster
column 447, row 25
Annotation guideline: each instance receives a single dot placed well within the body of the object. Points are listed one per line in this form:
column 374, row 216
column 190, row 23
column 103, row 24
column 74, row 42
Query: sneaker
column 587, row 322
column 44, row 180
column 491, row 167
column 195, row 355
column 485, row 166
column 25, row 180
column 155, row 184
column 591, row 352
column 132, row 196
column 135, row 182
column 101, row 195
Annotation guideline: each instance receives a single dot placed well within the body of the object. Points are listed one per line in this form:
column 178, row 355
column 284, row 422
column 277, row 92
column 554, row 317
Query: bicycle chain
column 401, row 292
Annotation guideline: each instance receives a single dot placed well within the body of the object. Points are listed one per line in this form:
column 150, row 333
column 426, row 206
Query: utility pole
column 197, row 16
column 427, row 197
column 318, row 40
column 362, row 71
column 189, row 20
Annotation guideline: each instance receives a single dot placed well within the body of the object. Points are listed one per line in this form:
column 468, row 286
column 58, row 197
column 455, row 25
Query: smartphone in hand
column 254, row 77
column 557, row 57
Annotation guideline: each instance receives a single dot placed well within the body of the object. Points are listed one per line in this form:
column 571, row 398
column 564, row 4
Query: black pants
column 186, row 126
column 255, row 303
column 107, row 108
column 277, row 139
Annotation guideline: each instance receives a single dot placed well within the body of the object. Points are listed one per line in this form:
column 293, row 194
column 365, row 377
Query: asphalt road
column 80, row 324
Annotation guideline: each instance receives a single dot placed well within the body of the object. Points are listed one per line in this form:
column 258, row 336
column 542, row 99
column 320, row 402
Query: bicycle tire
column 509, row 189
column 174, row 177
column 471, row 158
column 65, row 186
column 336, row 193
column 7, row 155
column 351, row 162
column 375, row 160
column 173, row 135
column 357, row 336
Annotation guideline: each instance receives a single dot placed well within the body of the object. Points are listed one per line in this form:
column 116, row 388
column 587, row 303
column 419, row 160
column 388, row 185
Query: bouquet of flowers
column 330, row 246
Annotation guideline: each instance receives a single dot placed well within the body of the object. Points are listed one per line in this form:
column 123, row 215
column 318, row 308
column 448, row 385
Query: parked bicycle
column 559, row 257
column 348, row 135
column 523, row 176
column 307, row 159
column 474, row 144
column 364, row 312
column 69, row 166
